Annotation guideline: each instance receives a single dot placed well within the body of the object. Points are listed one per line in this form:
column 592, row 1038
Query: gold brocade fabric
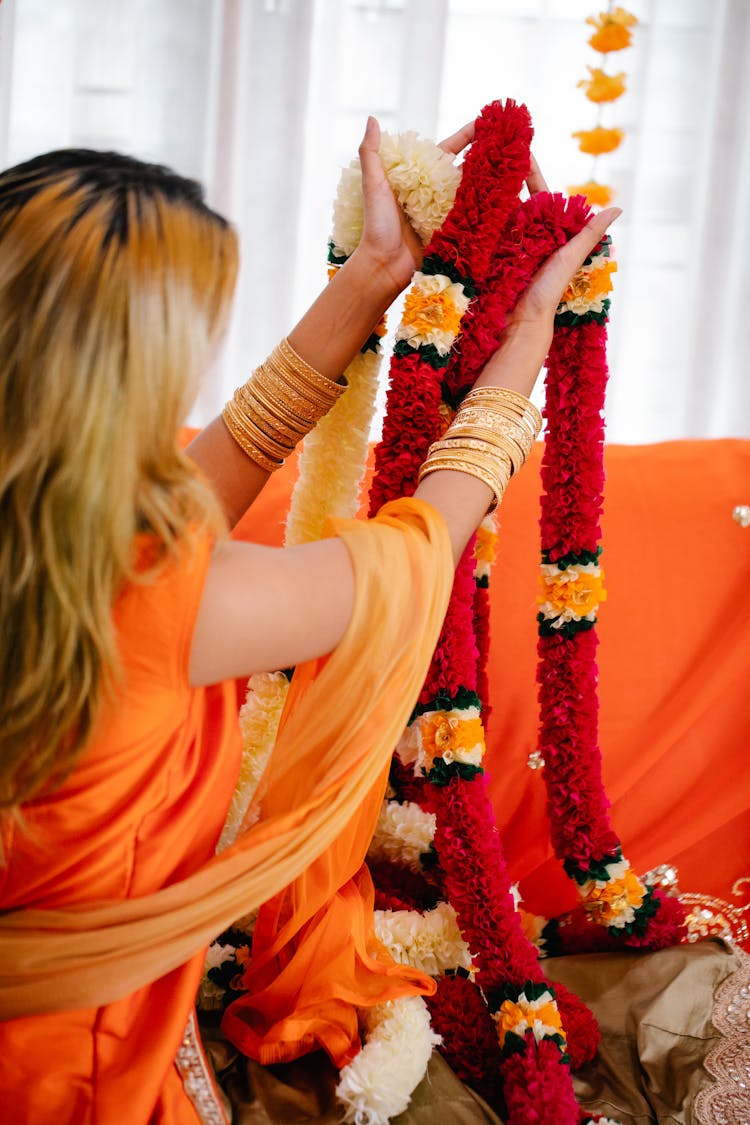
column 655, row 1015
column 304, row 1091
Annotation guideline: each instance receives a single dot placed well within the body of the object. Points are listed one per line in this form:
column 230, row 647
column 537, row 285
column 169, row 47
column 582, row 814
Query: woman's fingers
column 369, row 154
column 551, row 279
column 535, row 181
column 576, row 251
column 458, row 140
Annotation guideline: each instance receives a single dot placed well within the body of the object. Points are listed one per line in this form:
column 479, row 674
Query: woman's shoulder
column 155, row 613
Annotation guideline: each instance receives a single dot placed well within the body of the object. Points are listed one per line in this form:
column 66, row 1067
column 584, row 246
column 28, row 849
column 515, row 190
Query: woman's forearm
column 327, row 337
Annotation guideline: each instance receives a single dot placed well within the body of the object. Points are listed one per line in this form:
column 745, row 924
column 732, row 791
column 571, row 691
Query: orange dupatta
column 345, row 713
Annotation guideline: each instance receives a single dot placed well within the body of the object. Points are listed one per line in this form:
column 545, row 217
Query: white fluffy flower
column 424, row 180
column 378, row 1084
column 259, row 723
column 334, row 456
column 429, row 941
column 403, row 834
column 211, row 995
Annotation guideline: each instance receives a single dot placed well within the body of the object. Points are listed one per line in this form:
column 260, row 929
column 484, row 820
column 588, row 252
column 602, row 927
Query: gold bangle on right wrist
column 490, row 437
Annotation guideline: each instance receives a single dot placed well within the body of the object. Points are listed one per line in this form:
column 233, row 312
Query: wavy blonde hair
column 115, row 284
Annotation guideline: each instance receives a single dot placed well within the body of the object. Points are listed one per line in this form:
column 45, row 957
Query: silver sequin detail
column 197, row 1079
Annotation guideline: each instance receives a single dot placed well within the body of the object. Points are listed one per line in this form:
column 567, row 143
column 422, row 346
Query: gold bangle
column 278, row 405
column 247, row 447
column 304, row 370
column 498, row 468
column 462, row 465
column 482, row 445
column 519, row 438
column 255, row 435
column 504, row 396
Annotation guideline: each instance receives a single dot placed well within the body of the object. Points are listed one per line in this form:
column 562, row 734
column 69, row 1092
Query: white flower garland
column 424, row 180
column 403, row 834
column 430, row 941
column 378, row 1084
column 333, row 460
column 259, row 723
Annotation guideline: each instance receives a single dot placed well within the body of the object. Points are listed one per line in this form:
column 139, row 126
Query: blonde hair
column 115, row 283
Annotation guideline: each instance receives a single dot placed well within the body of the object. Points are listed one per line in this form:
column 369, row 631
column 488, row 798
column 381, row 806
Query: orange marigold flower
column 442, row 732
column 486, row 542
column 518, row 1017
column 605, row 904
column 597, row 195
column 598, row 140
column 380, row 328
column 582, row 594
column 447, row 414
column 601, row 87
column 425, row 311
column 611, row 30
column 591, row 284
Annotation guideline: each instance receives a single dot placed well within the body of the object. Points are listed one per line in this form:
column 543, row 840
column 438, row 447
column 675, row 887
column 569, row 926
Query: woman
column 125, row 615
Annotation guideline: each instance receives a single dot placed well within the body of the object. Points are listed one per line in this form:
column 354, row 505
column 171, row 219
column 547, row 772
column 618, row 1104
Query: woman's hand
column 528, row 335
column 389, row 243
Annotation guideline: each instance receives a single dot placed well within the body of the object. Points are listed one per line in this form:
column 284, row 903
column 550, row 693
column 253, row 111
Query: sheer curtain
column 264, row 100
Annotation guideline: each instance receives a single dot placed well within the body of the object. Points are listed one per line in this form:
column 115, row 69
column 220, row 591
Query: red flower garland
column 487, row 239
column 582, row 836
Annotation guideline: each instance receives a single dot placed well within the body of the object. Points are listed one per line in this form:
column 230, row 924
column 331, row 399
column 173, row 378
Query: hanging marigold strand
column 612, row 33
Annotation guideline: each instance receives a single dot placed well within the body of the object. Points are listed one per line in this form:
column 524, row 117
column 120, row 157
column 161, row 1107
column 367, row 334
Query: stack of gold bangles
column 490, row 437
column 281, row 402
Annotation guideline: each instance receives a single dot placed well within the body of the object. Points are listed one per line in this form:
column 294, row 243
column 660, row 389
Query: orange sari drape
column 326, row 780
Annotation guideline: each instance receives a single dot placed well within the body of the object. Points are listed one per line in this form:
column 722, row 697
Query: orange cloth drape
column 674, row 665
column 327, row 774
column 143, row 808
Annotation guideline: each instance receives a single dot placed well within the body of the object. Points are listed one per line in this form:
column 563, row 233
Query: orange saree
column 113, row 888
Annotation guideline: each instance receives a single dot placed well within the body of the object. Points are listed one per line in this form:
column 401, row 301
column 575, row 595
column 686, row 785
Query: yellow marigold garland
column 612, row 32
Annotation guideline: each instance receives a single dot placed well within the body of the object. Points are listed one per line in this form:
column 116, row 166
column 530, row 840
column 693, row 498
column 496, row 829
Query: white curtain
column 264, row 100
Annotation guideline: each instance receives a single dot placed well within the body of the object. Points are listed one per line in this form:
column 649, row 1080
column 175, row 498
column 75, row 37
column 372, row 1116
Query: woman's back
column 143, row 808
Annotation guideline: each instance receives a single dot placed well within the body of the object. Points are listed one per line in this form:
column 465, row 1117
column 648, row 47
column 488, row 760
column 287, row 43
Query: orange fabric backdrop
column 674, row 664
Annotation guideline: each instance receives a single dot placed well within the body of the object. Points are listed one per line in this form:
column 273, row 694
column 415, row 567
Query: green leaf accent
column 567, row 629
column 335, row 259
column 372, row 344
column 428, row 353
column 433, row 265
column 569, row 319
column 444, row 772
column 597, row 868
column 462, row 700
column 602, row 250
column 483, row 582
column 584, row 557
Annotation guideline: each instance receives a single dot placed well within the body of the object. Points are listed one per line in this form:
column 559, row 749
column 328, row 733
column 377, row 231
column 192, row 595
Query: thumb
column 551, row 280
